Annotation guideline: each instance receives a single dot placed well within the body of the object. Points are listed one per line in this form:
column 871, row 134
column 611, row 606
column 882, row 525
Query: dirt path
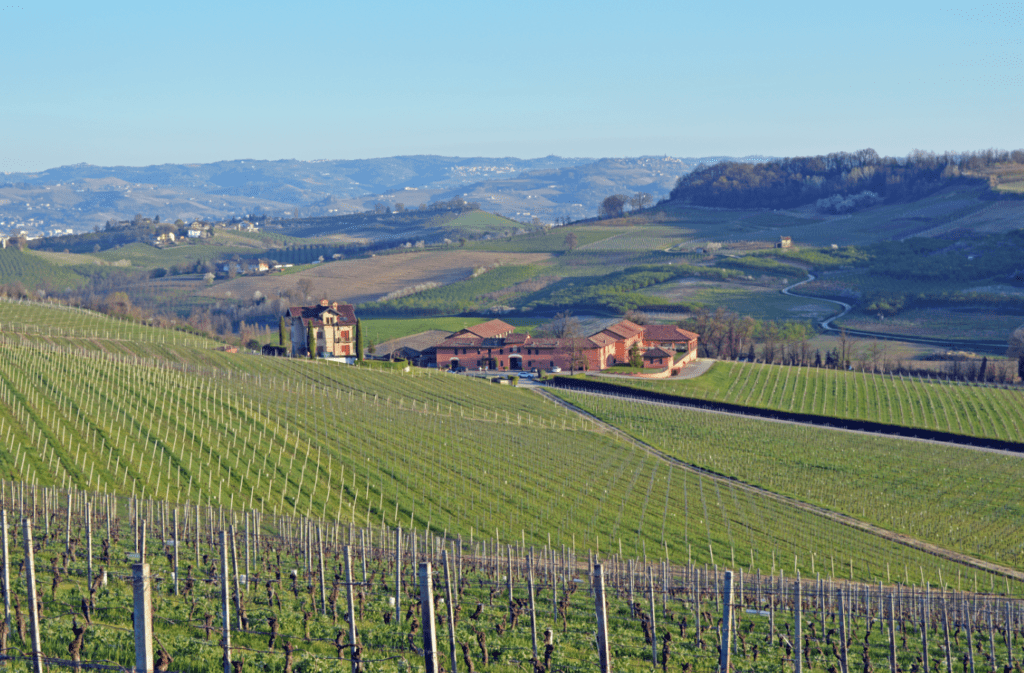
column 844, row 519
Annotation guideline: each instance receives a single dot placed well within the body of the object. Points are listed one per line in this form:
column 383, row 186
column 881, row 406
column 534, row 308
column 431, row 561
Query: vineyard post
column 248, row 547
column 7, row 570
column 323, row 579
column 427, row 604
column 970, row 637
column 533, row 606
column 141, row 541
column 362, row 550
column 945, row 632
column 225, row 601
column 842, row 632
column 1009, row 631
column 234, row 568
column 726, row 653
column 450, row 606
column 632, row 605
column 351, row 607
column 797, row 628
column 67, row 536
column 88, row 544
column 654, row 631
column 511, row 604
column 143, row 622
column 924, row 635
column 174, row 541
column 33, row 603
column 991, row 636
column 398, row 575
column 892, row 634
column 602, row 620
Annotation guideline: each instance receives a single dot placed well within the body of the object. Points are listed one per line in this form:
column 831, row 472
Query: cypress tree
column 280, row 331
column 310, row 339
column 359, row 340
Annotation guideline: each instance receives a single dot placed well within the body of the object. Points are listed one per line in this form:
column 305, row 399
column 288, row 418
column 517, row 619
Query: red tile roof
column 667, row 333
column 657, row 352
column 490, row 329
column 624, row 329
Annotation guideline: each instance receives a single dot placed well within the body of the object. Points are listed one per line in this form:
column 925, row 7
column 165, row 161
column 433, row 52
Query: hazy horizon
column 132, row 85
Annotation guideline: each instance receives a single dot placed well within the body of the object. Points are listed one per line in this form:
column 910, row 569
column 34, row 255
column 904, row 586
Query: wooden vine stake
column 724, row 658
column 450, row 606
column 427, row 604
column 602, row 620
column 225, row 601
column 143, row 605
column 33, row 601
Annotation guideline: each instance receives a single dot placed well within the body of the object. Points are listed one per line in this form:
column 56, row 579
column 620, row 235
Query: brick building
column 494, row 345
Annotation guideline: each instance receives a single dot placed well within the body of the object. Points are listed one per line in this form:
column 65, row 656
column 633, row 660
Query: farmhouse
column 494, row 345
column 333, row 325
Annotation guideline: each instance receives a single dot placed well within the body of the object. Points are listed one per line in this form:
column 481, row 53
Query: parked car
column 555, row 370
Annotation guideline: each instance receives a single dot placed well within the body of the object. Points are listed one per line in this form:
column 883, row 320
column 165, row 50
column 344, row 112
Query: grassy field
column 295, row 437
column 32, row 270
column 958, row 499
column 148, row 257
column 939, row 322
column 368, row 279
column 996, row 413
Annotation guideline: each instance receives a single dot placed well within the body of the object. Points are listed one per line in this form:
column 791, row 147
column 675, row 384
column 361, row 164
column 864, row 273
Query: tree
column 280, row 331
column 612, row 206
column 306, row 286
column 640, row 201
column 983, row 370
column 359, row 340
column 399, row 207
column 1020, row 367
column 571, row 241
column 310, row 340
column 1015, row 347
column 564, row 325
column 636, row 358
column 253, row 344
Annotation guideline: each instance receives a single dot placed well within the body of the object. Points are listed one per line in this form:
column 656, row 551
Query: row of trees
column 792, row 182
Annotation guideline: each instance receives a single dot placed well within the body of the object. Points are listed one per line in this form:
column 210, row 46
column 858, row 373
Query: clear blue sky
column 144, row 83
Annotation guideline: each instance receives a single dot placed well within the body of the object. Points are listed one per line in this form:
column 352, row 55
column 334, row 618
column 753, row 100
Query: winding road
column 994, row 347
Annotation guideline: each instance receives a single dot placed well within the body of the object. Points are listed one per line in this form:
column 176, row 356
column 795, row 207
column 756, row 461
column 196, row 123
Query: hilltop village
column 330, row 330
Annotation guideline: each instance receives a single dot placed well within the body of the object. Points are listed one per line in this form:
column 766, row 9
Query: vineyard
column 910, row 401
column 956, row 498
column 97, row 582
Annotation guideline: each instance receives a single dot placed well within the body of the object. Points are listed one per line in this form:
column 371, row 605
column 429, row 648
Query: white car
column 555, row 370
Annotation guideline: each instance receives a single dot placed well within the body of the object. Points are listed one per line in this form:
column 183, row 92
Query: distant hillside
column 83, row 197
column 839, row 182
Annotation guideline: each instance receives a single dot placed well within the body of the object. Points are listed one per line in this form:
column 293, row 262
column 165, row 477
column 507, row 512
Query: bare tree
column 640, row 201
column 564, row 325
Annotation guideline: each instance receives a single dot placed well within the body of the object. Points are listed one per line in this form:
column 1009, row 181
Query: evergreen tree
column 280, row 331
column 983, row 369
column 1020, row 367
column 817, row 358
column 636, row 358
column 310, row 339
column 751, row 355
column 359, row 340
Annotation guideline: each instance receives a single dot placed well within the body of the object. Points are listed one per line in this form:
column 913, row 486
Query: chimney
column 323, row 302
column 335, row 306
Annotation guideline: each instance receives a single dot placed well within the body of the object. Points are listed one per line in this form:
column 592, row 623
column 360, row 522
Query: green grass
column 479, row 221
column 33, row 270
column 149, row 257
column 995, row 413
column 956, row 498
column 552, row 240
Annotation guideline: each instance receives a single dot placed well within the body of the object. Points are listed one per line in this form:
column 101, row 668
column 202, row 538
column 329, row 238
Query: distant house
column 166, row 237
column 784, row 242
column 334, row 327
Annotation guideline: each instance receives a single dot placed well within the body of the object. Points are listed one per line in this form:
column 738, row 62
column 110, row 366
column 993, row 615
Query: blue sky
column 147, row 83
